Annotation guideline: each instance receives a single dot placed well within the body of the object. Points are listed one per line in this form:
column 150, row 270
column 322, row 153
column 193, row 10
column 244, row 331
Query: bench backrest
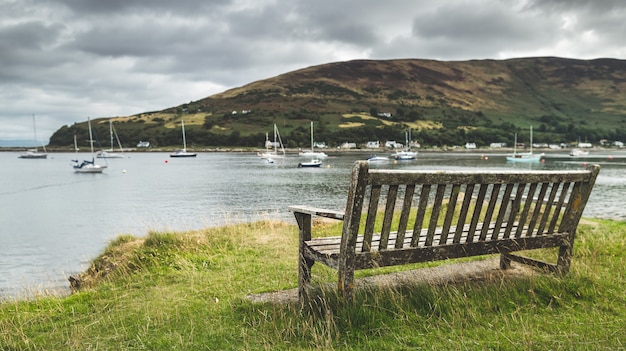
column 449, row 207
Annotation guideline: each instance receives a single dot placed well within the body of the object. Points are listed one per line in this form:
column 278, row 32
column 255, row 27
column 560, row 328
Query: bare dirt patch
column 484, row 270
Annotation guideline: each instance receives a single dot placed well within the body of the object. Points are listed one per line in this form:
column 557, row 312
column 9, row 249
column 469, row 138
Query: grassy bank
column 188, row 291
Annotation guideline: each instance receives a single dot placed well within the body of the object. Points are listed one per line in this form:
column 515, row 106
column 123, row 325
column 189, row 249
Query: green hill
column 444, row 102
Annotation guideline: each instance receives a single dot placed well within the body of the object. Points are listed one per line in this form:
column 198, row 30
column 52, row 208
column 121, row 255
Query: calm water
column 53, row 221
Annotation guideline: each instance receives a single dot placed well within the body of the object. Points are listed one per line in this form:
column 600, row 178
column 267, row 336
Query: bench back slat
column 427, row 208
column 528, row 203
column 503, row 211
column 447, row 223
column 404, row 216
column 392, row 194
column 371, row 217
column 548, row 208
column 559, row 207
column 467, row 200
column 493, row 199
column 482, row 192
column 537, row 210
column 434, row 216
column 513, row 212
column 421, row 213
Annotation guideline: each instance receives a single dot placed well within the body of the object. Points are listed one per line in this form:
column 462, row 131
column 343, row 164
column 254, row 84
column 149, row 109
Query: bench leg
column 304, row 264
column 564, row 260
column 304, row 276
column 346, row 283
column 505, row 260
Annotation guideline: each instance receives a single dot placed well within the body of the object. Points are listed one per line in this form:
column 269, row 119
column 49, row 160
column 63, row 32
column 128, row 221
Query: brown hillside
column 536, row 86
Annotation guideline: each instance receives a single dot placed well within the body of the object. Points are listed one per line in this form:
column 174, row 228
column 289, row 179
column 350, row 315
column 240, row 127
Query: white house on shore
column 373, row 144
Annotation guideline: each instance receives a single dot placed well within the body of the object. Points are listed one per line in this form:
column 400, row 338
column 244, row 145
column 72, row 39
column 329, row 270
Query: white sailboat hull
column 107, row 154
column 33, row 155
column 313, row 154
column 524, row 158
column 183, row 153
column 309, row 164
column 90, row 168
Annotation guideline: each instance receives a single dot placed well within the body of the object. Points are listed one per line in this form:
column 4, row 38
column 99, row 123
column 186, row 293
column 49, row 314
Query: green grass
column 188, row 291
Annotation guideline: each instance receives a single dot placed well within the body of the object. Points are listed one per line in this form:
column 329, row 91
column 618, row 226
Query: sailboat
column 268, row 154
column 313, row 163
column 34, row 153
column 183, row 152
column 87, row 166
column 109, row 153
column 312, row 153
column 524, row 156
column 406, row 154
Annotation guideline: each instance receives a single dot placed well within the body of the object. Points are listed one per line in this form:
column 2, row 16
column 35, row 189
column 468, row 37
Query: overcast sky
column 65, row 60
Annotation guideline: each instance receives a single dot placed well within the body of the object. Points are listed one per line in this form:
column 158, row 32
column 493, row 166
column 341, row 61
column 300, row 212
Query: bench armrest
column 318, row 212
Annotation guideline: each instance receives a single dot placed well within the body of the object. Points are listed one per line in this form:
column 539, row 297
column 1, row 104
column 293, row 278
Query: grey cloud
column 73, row 58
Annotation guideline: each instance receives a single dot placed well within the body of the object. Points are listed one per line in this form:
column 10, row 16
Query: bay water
column 54, row 221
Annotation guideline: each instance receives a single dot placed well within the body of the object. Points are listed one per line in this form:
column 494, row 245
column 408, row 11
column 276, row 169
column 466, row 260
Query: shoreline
column 291, row 151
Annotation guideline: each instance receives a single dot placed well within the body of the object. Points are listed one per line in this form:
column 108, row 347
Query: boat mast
column 531, row 140
column 34, row 128
column 311, row 135
column 184, row 140
column 111, row 132
column 35, row 133
column 90, row 137
column 275, row 146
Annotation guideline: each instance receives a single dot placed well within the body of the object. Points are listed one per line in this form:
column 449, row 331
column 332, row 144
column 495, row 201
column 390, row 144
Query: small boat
column 578, row 152
column 34, row 153
column 313, row 163
column 183, row 152
column 312, row 152
column 109, row 153
column 376, row 158
column 406, row 154
column 87, row 166
column 268, row 145
column 528, row 157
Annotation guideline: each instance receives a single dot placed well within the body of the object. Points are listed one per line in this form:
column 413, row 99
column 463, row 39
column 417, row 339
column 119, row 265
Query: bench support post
column 565, row 258
column 304, row 264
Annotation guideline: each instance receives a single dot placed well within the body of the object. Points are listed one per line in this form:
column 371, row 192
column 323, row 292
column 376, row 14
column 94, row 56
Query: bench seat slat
column 364, row 260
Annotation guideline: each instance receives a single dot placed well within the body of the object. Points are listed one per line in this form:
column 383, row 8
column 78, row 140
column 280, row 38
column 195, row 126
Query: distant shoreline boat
column 376, row 158
column 313, row 163
column 526, row 156
column 183, row 152
column 109, row 153
column 578, row 152
column 268, row 154
column 406, row 154
column 312, row 152
column 34, row 153
column 87, row 166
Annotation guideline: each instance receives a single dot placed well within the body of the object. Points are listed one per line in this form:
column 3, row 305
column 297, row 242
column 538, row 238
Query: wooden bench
column 410, row 216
